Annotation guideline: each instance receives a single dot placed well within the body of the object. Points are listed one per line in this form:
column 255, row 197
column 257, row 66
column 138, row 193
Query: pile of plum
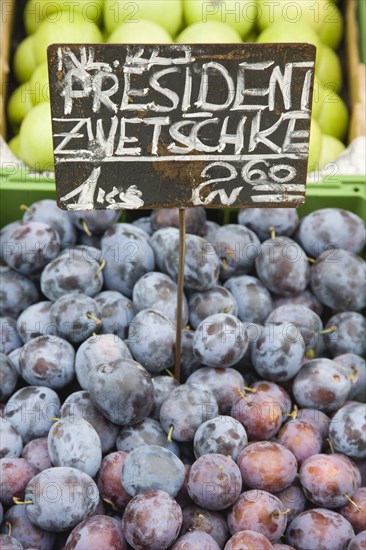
column 262, row 442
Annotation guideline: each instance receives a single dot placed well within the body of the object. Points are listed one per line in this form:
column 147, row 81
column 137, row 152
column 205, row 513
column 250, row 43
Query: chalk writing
column 177, row 125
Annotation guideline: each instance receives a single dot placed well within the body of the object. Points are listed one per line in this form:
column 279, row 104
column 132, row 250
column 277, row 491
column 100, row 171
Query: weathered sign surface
column 147, row 126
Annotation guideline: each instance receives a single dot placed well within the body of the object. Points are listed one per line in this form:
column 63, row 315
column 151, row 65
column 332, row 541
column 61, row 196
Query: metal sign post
column 182, row 254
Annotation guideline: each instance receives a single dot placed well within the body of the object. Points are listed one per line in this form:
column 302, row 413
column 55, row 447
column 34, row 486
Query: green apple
column 143, row 32
column 211, row 32
column 24, row 61
column 333, row 117
column 37, row 11
column 64, row 32
column 318, row 97
column 328, row 68
column 332, row 31
column 314, row 146
column 19, row 105
column 32, row 16
column 282, row 31
column 36, row 146
column 309, row 12
column 166, row 13
column 330, row 149
column 239, row 14
column 14, row 145
column 39, row 85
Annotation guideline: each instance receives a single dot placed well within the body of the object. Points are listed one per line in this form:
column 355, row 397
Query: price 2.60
column 257, row 173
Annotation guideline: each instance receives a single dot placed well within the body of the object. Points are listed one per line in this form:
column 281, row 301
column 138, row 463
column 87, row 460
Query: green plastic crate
column 18, row 186
column 341, row 192
column 348, row 192
column 362, row 27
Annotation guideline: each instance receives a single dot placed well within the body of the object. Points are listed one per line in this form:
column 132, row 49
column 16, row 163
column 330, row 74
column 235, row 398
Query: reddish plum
column 267, row 466
column 15, row 474
column 320, row 529
column 199, row 519
column 96, row 533
column 248, row 540
column 327, row 480
column 355, row 511
column 109, row 480
column 196, row 539
column 152, row 520
column 214, row 482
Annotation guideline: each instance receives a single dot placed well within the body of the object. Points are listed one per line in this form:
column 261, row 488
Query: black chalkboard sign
column 147, row 126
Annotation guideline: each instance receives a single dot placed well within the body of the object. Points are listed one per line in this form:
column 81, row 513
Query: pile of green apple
column 182, row 21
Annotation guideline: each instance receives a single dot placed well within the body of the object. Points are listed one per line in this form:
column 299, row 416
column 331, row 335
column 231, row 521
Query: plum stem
column 95, row 319
column 278, row 514
column 272, row 232
column 8, row 525
column 169, row 436
column 169, row 372
column 241, row 394
column 354, row 374
column 329, row 330
column 358, row 508
column 201, row 519
column 331, row 445
column 311, row 260
column 111, row 503
column 25, row 208
column 17, row 500
column 250, row 390
column 53, row 419
column 310, row 354
column 293, row 413
column 101, row 267
column 86, row 228
column 220, row 476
